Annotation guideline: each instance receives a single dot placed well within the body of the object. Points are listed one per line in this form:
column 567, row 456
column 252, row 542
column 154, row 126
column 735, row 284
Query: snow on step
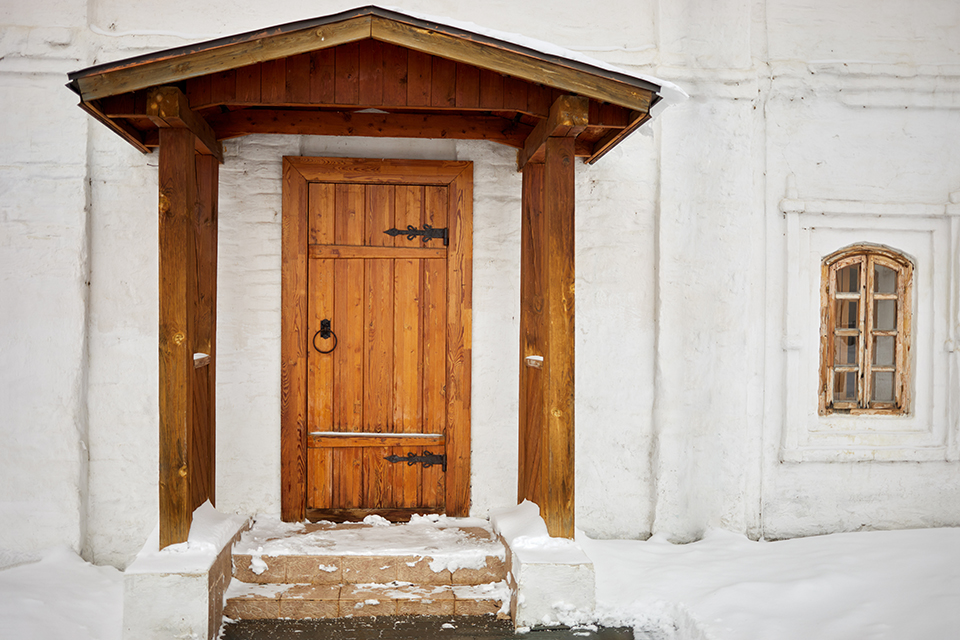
column 428, row 550
column 431, row 566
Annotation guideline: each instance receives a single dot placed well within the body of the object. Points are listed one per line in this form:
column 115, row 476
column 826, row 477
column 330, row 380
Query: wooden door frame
column 298, row 172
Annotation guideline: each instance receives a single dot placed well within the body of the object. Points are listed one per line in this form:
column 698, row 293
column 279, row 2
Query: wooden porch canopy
column 364, row 72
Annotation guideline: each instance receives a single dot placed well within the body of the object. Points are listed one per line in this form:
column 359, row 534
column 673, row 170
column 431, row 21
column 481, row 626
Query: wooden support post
column 203, row 457
column 177, row 208
column 558, row 366
column 532, row 318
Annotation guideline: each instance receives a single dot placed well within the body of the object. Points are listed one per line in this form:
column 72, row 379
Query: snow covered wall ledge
column 552, row 580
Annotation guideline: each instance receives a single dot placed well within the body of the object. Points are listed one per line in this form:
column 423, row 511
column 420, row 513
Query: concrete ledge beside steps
column 178, row 592
column 552, row 580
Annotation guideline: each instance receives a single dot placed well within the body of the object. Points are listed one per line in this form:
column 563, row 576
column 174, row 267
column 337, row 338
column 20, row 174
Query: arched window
column 865, row 331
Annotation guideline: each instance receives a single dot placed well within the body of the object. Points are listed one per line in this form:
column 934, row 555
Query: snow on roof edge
column 670, row 92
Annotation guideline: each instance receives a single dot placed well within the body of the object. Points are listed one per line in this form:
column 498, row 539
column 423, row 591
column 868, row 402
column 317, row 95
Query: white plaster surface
column 682, row 267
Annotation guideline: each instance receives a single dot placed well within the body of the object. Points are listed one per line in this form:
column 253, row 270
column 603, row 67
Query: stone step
column 246, row 601
column 361, row 569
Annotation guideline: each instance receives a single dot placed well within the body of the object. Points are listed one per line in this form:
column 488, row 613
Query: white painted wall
column 684, row 336
column 44, row 268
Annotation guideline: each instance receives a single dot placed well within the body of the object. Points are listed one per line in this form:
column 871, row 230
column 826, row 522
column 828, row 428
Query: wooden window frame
column 867, row 255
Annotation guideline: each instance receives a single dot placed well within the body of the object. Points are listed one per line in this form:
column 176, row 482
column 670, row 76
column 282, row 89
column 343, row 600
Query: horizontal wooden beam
column 502, row 60
column 355, row 251
column 393, row 125
column 569, row 116
column 231, row 56
column 346, row 439
column 168, row 107
column 614, row 138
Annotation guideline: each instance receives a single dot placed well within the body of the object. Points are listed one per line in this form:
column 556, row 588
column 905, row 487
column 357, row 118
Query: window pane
column 848, row 314
column 884, row 279
column 845, row 386
column 846, row 350
column 884, row 350
column 885, row 315
column 882, row 386
column 848, row 279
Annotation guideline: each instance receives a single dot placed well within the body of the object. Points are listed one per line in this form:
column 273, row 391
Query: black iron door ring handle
column 325, row 333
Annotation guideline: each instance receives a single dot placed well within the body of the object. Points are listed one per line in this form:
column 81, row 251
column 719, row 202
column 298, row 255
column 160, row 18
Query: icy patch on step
column 451, row 543
column 238, row 589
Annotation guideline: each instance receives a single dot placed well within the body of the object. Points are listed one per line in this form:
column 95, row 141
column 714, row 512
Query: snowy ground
column 902, row 585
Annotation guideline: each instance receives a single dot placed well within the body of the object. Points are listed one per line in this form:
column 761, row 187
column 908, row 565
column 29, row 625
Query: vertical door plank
column 394, row 75
column 370, row 71
column 320, row 370
column 434, row 345
column 297, row 83
column 558, row 452
column 529, row 481
column 378, row 369
column 443, row 91
column 177, row 209
column 320, row 464
column 323, row 76
column 347, row 80
column 407, row 373
column 320, row 478
column 349, row 327
column 322, row 218
column 293, row 341
column 419, row 78
column 273, row 81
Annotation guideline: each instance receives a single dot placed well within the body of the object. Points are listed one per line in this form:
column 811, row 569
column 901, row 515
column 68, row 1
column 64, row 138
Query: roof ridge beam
column 568, row 117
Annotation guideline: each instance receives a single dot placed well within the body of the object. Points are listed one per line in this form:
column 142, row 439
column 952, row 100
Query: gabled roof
column 478, row 59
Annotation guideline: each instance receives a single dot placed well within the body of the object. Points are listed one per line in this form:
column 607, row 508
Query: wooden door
column 376, row 330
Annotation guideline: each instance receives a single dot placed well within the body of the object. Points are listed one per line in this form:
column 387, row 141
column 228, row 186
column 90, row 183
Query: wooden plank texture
column 361, row 252
column 397, row 125
column 293, row 344
column 177, row 209
column 558, row 453
column 392, row 375
column 176, row 68
column 205, row 314
column 532, row 317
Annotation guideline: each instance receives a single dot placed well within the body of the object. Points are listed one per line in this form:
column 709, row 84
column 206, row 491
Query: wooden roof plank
column 213, row 60
column 494, row 58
